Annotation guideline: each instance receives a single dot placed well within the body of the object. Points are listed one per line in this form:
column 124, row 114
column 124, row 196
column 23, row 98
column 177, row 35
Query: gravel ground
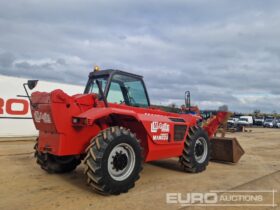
column 25, row 186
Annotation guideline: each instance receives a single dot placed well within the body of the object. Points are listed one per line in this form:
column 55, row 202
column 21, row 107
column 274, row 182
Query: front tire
column 196, row 153
column 114, row 161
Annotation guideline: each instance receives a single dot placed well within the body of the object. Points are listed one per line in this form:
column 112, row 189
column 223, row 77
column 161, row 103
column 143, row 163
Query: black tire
column 196, row 139
column 99, row 154
column 55, row 164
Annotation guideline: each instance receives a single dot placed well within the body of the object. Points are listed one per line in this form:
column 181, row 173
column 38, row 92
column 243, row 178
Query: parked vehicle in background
column 270, row 123
column 278, row 123
column 232, row 122
column 245, row 120
column 259, row 121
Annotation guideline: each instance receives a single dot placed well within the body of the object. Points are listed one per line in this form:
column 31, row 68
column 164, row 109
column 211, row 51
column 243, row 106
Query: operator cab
column 118, row 87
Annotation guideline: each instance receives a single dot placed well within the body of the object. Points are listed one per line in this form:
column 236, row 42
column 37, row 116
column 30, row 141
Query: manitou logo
column 163, row 127
column 161, row 137
column 14, row 106
column 42, row 116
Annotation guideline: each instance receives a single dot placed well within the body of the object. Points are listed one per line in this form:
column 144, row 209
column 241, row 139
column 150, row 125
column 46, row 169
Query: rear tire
column 55, row 164
column 114, row 161
column 196, row 153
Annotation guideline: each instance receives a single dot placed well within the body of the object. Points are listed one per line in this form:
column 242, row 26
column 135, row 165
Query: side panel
column 160, row 137
column 154, row 128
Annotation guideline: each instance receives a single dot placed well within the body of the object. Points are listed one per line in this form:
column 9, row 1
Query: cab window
column 115, row 94
column 127, row 90
column 92, row 86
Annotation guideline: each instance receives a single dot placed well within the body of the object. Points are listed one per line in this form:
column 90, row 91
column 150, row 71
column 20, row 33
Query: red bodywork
column 162, row 134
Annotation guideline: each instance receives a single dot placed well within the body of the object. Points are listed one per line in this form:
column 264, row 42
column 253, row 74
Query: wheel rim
column 121, row 161
column 200, row 150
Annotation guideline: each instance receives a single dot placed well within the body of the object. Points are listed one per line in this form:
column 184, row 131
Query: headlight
column 77, row 121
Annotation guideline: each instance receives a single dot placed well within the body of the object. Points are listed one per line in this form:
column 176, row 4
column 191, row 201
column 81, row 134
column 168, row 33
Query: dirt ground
column 23, row 185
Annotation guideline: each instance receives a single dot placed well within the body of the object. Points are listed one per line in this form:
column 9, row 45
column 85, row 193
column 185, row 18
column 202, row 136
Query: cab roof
column 109, row 72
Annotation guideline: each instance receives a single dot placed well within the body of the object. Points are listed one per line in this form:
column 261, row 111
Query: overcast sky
column 223, row 51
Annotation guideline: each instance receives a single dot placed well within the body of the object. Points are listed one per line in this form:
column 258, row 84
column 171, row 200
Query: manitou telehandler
column 112, row 128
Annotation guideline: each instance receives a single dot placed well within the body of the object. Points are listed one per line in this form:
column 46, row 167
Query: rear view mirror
column 32, row 84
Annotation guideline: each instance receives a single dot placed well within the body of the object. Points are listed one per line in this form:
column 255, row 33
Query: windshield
column 127, row 90
column 123, row 89
column 244, row 119
column 268, row 120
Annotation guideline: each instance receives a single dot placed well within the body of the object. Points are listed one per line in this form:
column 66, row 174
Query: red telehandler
column 112, row 128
